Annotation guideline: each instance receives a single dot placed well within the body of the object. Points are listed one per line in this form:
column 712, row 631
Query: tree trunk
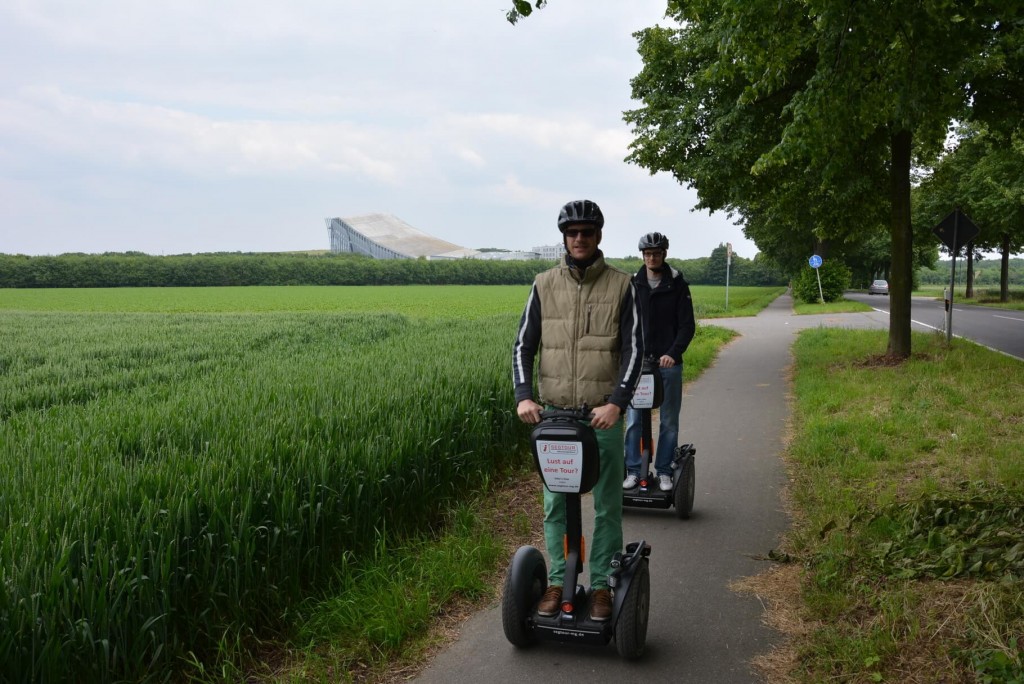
column 1004, row 270
column 969, row 289
column 900, row 281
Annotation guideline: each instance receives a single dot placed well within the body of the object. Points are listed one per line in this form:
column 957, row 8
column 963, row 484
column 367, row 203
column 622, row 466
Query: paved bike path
column 700, row 631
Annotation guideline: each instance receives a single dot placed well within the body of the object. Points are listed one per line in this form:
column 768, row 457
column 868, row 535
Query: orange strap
column 583, row 548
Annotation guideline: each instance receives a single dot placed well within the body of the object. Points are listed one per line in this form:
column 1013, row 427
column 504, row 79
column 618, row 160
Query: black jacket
column 666, row 313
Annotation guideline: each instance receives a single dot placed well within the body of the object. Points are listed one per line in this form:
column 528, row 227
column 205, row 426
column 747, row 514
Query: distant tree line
column 239, row 269
column 713, row 270
column 987, row 273
column 135, row 269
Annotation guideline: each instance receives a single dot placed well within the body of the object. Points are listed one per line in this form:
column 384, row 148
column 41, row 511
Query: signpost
column 955, row 231
column 728, row 263
column 815, row 262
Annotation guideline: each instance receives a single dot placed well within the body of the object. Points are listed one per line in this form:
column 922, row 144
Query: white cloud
column 229, row 124
column 513, row 192
column 135, row 134
column 574, row 138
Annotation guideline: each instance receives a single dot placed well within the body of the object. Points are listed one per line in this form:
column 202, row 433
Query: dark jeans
column 668, row 429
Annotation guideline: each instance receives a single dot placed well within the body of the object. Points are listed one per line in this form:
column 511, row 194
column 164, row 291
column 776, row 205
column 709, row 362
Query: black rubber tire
column 685, row 489
column 525, row 582
column 631, row 628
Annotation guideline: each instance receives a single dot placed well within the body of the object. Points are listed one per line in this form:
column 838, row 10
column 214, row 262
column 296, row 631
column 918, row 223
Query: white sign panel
column 561, row 464
column 643, row 397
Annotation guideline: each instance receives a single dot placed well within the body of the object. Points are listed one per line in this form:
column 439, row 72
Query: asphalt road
column 700, row 630
column 998, row 329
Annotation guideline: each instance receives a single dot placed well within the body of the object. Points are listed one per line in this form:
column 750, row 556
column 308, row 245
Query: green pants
column 607, row 515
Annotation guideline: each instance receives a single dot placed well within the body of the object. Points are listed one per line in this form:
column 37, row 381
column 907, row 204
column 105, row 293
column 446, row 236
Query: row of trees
column 712, row 270
column 805, row 120
column 988, row 274
column 225, row 269
column 982, row 173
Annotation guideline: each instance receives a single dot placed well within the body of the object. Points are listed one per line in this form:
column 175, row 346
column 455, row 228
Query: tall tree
column 829, row 100
column 796, row 115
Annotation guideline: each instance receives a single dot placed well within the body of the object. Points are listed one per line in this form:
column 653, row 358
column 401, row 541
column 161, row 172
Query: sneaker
column 600, row 605
column 630, row 482
column 551, row 602
column 665, row 483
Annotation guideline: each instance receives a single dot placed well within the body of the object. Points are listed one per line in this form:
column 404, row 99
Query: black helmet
column 580, row 211
column 654, row 241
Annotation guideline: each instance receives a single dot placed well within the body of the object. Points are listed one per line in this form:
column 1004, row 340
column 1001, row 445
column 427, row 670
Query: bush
column 835, row 278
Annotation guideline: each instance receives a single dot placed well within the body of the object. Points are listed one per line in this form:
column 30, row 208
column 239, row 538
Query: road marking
column 925, row 325
column 1009, row 318
column 998, row 351
column 966, row 339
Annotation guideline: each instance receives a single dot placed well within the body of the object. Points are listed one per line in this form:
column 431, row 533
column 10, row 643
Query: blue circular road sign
column 815, row 261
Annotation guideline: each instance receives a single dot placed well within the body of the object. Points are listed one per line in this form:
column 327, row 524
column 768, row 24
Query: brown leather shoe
column 600, row 605
column 551, row 602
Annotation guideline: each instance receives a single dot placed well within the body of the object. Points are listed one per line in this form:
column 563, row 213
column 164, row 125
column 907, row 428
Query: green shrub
column 835, row 278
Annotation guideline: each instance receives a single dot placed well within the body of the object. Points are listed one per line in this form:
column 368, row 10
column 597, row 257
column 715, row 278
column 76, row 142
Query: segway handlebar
column 583, row 412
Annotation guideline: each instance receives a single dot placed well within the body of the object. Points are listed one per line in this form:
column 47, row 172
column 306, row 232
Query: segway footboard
column 647, row 497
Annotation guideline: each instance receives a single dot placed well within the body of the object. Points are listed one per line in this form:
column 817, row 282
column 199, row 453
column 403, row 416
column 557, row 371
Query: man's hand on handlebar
column 529, row 411
column 604, row 417
column 601, row 418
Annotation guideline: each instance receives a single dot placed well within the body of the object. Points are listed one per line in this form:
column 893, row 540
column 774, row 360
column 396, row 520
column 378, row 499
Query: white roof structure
column 508, row 256
column 384, row 236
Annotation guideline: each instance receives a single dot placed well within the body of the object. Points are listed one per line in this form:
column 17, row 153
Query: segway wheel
column 631, row 628
column 525, row 583
column 685, row 489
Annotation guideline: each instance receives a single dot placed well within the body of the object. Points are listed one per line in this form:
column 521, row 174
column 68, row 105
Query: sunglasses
column 651, row 255
column 583, row 232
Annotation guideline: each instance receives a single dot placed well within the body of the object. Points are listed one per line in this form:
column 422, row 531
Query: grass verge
column 703, row 349
column 906, row 555
column 710, row 301
column 386, row 616
column 982, row 296
column 842, row 306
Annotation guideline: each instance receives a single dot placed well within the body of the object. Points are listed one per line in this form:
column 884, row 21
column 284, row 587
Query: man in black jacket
column 666, row 311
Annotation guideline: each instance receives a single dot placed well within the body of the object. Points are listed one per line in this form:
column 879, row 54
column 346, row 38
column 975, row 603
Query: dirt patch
column 880, row 361
column 930, row 624
column 778, row 590
column 888, row 360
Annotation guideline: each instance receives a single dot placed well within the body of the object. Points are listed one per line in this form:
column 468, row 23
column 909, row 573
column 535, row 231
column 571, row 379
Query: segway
column 647, row 494
column 565, row 452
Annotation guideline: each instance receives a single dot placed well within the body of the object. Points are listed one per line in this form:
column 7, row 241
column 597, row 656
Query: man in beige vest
column 581, row 319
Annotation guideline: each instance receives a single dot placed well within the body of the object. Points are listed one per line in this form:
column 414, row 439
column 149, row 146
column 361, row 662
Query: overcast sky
column 194, row 126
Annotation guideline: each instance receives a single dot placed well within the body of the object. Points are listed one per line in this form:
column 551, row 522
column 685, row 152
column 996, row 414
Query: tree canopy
column 983, row 174
column 804, row 118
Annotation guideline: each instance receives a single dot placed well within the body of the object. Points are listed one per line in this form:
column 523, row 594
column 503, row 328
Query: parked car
column 880, row 287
